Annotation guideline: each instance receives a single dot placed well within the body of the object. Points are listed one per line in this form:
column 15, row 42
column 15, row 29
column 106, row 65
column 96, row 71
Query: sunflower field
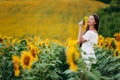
column 35, row 59
column 26, row 54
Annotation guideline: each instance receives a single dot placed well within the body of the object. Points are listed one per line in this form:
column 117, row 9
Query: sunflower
column 117, row 43
column 109, row 43
column 85, row 21
column 41, row 44
column 72, row 57
column 16, row 65
column 73, row 67
column 100, row 41
column 33, row 51
column 71, row 43
column 1, row 40
column 69, row 56
column 8, row 39
column 26, row 60
column 117, row 36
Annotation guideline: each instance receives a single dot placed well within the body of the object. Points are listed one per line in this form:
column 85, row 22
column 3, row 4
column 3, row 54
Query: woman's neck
column 92, row 28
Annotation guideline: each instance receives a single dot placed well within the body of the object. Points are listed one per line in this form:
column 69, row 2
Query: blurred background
column 56, row 19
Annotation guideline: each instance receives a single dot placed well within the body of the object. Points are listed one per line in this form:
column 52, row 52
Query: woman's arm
column 80, row 34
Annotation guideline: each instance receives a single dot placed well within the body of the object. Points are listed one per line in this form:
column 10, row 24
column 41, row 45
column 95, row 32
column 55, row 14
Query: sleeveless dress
column 87, row 48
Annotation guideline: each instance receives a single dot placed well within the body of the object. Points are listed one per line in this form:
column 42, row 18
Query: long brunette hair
column 96, row 26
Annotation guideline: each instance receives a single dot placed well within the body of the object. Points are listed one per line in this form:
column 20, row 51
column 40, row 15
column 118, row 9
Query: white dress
column 88, row 47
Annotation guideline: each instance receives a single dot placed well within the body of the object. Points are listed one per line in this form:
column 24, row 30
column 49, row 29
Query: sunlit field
column 56, row 19
column 51, row 60
column 38, row 41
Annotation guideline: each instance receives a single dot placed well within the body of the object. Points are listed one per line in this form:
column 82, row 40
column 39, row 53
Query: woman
column 88, row 39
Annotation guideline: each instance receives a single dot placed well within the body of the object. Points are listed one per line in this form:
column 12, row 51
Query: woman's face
column 91, row 20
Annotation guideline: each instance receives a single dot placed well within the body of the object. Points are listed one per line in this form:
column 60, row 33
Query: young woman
column 89, row 39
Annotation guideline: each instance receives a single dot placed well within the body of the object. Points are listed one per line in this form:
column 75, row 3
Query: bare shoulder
column 92, row 31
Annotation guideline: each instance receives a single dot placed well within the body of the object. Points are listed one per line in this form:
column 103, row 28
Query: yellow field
column 56, row 19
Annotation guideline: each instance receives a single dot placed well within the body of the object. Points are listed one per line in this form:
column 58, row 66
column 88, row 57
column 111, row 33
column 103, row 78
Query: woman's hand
column 81, row 23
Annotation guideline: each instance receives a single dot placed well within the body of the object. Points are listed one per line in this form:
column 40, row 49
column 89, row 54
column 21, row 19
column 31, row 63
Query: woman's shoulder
column 93, row 32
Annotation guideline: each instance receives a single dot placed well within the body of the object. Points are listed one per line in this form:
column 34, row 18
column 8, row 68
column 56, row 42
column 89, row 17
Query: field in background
column 56, row 19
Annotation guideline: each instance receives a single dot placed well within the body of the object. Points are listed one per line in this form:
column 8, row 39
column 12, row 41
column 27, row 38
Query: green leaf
column 114, row 67
column 117, row 76
column 74, row 78
column 54, row 75
column 1, row 76
column 41, row 65
column 105, row 78
column 91, row 76
column 31, row 78
column 68, row 71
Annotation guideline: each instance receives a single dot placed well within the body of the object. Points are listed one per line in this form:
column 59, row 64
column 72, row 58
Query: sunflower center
column 1, row 40
column 26, row 60
column 33, row 53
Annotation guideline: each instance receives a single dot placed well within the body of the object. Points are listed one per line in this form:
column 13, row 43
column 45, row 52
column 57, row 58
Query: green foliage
column 105, row 1
column 107, row 64
column 110, row 1
column 83, row 74
column 115, row 2
column 109, row 20
column 6, row 64
column 51, row 64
